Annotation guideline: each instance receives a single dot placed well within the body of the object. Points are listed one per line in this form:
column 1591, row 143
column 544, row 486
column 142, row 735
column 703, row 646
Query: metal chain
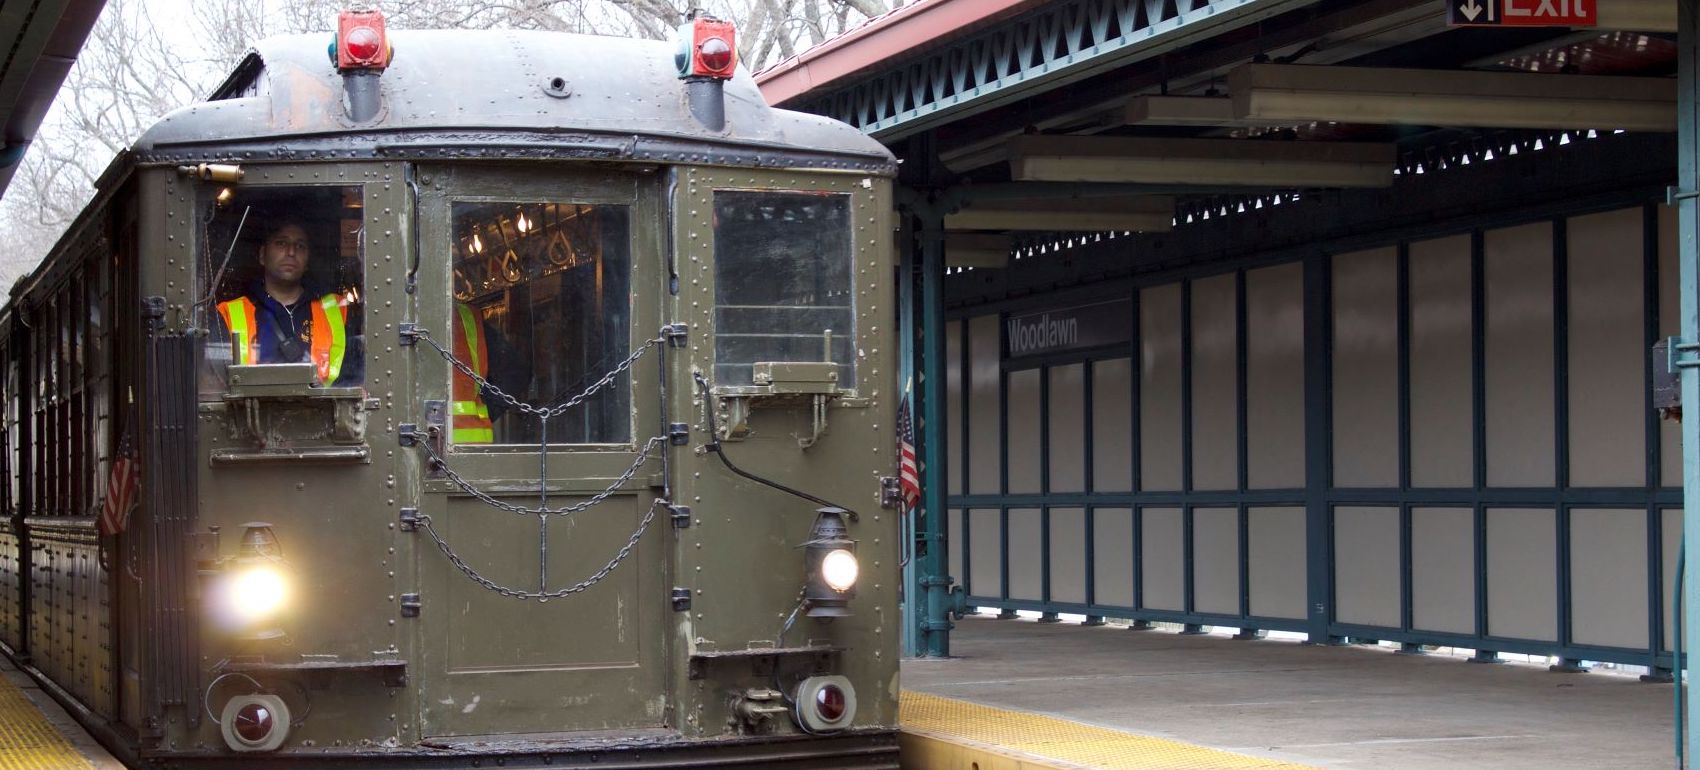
column 596, row 577
column 488, row 499
column 541, row 412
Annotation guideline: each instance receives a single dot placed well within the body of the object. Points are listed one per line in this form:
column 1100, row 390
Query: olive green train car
column 655, row 530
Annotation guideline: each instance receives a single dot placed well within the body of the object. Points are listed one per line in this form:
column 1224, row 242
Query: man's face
column 284, row 255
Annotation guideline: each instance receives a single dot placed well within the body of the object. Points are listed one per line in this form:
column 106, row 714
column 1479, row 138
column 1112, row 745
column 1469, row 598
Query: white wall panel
column 1670, row 539
column 1026, row 566
column 1112, row 425
column 985, row 549
column 1608, row 399
column 1024, row 436
column 955, row 539
column 1522, row 573
column 1068, row 555
column 1067, row 429
column 1275, row 377
column 953, row 414
column 1441, row 399
column 1366, row 369
column 1275, row 559
column 1670, row 325
column 1216, row 560
column 1520, row 431
column 1161, row 563
column 1112, row 557
column 1608, row 577
column 1160, row 388
column 1215, row 400
column 985, row 415
column 1366, row 565
column 1443, row 570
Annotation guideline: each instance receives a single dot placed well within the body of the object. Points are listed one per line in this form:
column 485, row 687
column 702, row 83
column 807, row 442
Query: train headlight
column 829, row 559
column 254, row 589
column 257, row 593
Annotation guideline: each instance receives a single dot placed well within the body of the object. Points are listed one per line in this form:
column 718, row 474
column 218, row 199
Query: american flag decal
column 908, row 474
column 120, row 491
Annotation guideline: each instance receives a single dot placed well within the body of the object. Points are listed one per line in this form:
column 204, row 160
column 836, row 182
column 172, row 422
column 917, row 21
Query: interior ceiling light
column 1451, row 98
column 1210, row 162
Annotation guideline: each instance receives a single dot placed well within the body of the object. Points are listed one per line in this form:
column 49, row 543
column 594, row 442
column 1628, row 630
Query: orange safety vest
column 329, row 332
column 471, row 417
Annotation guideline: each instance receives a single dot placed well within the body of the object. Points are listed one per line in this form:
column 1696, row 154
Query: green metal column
column 934, row 563
column 914, row 592
column 1688, row 181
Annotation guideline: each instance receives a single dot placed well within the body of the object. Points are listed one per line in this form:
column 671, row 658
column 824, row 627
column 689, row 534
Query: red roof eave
column 904, row 30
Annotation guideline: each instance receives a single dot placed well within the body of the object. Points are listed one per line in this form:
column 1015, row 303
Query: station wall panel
column 1366, row 565
column 1366, row 368
column 1670, row 540
column 985, row 411
column 1216, row 560
column 1443, row 570
column 1112, row 557
column 1215, row 378
column 1025, row 443
column 1275, row 377
column 1522, row 573
column 1160, row 388
column 1066, row 434
column 955, row 543
column 1670, row 325
column 1275, row 554
column 1519, row 363
column 953, row 411
column 1112, row 425
column 1607, row 401
column 985, row 552
column 1608, row 576
column 1441, row 331
column 1162, row 559
column 1026, row 554
column 1068, row 555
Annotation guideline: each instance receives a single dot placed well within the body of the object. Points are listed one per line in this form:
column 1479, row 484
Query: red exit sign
column 1521, row 13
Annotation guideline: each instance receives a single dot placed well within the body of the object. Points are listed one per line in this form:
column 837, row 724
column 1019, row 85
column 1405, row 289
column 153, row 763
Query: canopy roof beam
column 1249, row 163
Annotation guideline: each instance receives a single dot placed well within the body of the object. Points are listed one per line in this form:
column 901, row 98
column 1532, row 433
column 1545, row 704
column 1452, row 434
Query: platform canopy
column 40, row 39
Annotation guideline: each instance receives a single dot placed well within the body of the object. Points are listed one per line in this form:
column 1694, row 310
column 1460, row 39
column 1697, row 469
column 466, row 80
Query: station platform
column 1023, row 695
column 36, row 734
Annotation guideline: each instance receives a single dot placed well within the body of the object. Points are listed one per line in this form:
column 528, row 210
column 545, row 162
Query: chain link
column 582, row 585
column 541, row 412
column 488, row 499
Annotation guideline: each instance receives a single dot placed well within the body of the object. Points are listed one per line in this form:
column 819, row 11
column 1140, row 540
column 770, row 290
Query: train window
column 782, row 282
column 282, row 273
column 543, row 311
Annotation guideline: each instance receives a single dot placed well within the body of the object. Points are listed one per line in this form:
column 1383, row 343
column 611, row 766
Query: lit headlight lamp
column 249, row 598
column 829, row 561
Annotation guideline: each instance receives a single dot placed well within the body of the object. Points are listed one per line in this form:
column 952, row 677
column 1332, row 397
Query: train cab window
column 281, row 269
column 782, row 282
column 542, row 310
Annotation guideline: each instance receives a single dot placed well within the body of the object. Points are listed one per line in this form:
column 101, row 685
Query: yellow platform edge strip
column 949, row 734
column 28, row 741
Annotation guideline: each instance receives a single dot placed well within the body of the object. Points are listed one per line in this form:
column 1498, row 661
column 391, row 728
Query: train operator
column 282, row 317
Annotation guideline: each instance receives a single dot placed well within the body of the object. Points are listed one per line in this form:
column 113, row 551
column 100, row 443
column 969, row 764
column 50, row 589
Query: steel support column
column 1688, row 180
column 914, row 592
column 933, row 562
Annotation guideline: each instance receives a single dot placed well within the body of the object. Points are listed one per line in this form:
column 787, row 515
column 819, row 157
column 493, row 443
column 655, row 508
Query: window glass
column 281, row 272
column 782, row 282
column 542, row 311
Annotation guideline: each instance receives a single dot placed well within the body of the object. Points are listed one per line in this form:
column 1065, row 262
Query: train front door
column 530, row 281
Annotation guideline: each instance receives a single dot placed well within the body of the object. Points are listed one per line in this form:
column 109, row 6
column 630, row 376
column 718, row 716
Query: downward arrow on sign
column 1470, row 10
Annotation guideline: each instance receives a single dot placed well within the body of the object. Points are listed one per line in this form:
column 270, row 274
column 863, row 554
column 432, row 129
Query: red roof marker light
column 708, row 48
column 361, row 42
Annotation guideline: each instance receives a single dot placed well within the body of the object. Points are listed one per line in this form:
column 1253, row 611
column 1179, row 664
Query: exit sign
column 1521, row 13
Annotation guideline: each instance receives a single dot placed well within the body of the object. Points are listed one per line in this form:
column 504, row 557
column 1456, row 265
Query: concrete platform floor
column 1336, row 707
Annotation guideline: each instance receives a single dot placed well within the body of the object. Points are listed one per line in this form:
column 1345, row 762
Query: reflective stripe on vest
column 239, row 319
column 470, row 416
column 330, row 337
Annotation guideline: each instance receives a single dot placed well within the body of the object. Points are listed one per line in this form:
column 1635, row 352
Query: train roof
column 497, row 93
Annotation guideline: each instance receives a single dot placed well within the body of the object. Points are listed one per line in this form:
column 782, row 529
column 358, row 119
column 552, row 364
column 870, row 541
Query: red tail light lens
column 716, row 54
column 254, row 722
column 830, row 702
column 363, row 43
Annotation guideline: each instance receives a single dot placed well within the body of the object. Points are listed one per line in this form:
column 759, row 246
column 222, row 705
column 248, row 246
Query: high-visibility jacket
column 329, row 333
column 471, row 418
